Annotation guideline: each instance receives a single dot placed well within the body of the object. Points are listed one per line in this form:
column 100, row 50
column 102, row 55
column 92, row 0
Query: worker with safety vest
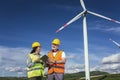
column 56, row 62
column 35, row 66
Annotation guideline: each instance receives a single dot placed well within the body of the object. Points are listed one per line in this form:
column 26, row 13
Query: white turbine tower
column 83, row 14
column 115, row 43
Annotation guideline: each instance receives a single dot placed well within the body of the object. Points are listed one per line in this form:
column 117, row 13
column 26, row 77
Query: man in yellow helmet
column 35, row 66
column 56, row 62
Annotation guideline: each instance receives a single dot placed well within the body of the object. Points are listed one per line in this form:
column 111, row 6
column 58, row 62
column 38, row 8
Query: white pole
column 87, row 70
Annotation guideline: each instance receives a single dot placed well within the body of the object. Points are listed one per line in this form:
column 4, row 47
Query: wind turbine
column 115, row 43
column 83, row 14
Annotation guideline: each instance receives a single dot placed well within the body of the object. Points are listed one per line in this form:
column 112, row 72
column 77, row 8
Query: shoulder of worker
column 29, row 55
column 58, row 50
column 62, row 51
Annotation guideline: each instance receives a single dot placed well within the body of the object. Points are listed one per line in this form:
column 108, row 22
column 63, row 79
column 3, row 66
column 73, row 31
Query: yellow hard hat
column 56, row 41
column 35, row 44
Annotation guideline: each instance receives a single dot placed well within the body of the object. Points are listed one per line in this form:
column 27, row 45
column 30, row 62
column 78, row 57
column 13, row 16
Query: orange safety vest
column 58, row 67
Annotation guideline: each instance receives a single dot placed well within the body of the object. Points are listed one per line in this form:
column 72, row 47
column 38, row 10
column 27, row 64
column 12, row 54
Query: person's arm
column 29, row 62
column 63, row 61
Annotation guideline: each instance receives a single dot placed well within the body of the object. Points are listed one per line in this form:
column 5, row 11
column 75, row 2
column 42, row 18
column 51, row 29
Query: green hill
column 95, row 75
column 77, row 76
column 13, row 78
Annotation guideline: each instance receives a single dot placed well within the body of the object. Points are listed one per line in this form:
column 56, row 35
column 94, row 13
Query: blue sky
column 25, row 21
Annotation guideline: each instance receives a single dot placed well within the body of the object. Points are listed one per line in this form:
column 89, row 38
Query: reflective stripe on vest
column 37, row 69
column 57, row 68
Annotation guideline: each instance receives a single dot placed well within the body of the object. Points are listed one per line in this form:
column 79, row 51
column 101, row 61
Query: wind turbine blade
column 82, row 4
column 101, row 16
column 71, row 21
column 115, row 42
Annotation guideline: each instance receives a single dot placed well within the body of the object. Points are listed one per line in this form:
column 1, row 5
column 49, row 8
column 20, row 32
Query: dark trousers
column 35, row 78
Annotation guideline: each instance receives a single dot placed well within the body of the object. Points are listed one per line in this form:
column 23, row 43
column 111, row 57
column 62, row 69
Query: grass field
column 96, row 75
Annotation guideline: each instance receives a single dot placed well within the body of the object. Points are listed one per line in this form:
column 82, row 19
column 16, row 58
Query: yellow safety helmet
column 56, row 41
column 35, row 44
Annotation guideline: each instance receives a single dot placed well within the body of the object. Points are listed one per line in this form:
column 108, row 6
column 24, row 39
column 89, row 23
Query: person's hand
column 37, row 60
column 50, row 60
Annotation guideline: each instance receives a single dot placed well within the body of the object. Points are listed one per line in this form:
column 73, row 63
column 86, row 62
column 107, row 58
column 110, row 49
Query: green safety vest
column 37, row 69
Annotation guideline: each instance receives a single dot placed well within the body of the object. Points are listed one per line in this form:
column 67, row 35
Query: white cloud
column 14, row 60
column 95, row 68
column 113, row 29
column 75, row 62
column 114, row 58
column 72, row 67
column 14, row 56
column 94, row 57
column 110, row 64
column 110, row 68
column 104, row 27
column 73, row 56
column 15, row 69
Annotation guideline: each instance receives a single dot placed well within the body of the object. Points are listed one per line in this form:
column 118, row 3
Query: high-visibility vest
column 37, row 69
column 58, row 67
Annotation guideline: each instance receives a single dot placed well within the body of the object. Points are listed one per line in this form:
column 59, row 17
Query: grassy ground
column 103, row 77
column 77, row 76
